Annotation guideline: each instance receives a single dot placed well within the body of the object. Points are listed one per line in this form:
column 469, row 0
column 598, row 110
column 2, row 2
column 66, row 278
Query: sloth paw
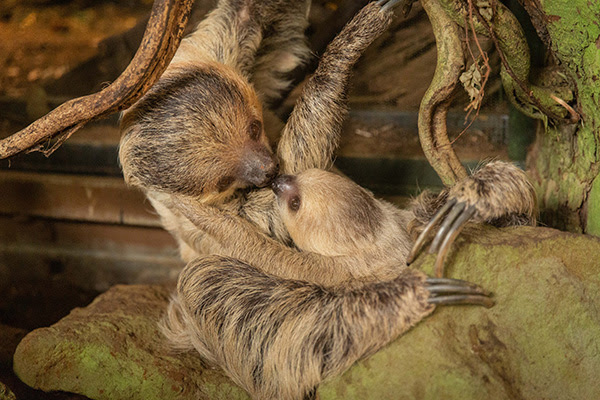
column 499, row 193
column 445, row 291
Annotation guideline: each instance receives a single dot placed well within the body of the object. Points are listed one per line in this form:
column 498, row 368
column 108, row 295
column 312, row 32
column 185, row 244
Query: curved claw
column 478, row 300
column 387, row 4
column 451, row 235
column 453, row 288
column 457, row 215
column 445, row 291
column 446, row 225
column 428, row 228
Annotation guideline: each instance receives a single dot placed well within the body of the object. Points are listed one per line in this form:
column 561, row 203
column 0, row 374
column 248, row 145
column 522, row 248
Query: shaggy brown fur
column 197, row 140
column 279, row 338
column 500, row 192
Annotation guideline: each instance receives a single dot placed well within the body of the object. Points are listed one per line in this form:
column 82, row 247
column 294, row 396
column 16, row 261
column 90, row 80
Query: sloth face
column 199, row 131
column 327, row 213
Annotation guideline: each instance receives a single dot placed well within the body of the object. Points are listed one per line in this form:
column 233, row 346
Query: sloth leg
column 499, row 193
column 311, row 135
column 279, row 338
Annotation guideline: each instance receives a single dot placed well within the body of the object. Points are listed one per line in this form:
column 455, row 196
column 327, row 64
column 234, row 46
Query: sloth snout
column 259, row 167
column 284, row 185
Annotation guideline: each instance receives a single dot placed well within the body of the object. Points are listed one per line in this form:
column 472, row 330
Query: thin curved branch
column 161, row 39
column 433, row 132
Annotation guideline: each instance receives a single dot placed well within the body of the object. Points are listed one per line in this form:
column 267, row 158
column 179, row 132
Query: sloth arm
column 311, row 135
column 240, row 239
column 230, row 35
column 279, row 338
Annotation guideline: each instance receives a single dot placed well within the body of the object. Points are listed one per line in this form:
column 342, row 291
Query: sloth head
column 198, row 131
column 326, row 213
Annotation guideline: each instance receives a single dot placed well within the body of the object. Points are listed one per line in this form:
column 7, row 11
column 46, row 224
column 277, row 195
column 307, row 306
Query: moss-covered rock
column 541, row 340
column 112, row 349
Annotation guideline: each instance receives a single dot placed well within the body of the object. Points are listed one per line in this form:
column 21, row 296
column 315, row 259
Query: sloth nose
column 284, row 184
column 259, row 167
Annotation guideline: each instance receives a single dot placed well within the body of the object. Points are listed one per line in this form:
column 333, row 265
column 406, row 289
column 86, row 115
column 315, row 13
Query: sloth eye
column 255, row 129
column 294, row 203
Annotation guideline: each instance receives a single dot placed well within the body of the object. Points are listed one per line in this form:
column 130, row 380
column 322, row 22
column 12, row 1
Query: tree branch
column 433, row 132
column 161, row 39
column 507, row 35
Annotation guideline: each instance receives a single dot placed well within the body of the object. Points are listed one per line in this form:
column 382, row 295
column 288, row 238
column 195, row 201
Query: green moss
column 593, row 217
column 223, row 391
column 538, row 341
column 568, row 155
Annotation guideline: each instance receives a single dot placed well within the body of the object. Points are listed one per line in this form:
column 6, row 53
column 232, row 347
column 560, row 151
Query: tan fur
column 500, row 192
column 254, row 309
column 345, row 236
column 279, row 338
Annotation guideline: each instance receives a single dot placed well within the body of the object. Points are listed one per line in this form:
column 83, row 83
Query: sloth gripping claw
column 498, row 193
column 445, row 291
column 457, row 215
column 388, row 4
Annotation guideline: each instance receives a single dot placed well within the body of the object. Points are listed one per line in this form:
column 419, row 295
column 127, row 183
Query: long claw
column 387, row 4
column 428, row 228
column 462, row 299
column 446, row 291
column 454, row 288
column 441, row 234
column 451, row 235
column 449, row 281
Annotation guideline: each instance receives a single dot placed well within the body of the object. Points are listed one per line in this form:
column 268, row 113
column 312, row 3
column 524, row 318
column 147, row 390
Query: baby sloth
column 328, row 214
column 341, row 233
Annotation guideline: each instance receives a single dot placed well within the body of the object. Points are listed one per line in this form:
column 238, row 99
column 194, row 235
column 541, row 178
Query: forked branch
column 163, row 34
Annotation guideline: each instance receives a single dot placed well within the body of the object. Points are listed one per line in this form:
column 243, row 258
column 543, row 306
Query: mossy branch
column 505, row 31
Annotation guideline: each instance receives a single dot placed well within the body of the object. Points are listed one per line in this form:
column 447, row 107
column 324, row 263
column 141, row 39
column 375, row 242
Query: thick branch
column 434, row 106
column 161, row 39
